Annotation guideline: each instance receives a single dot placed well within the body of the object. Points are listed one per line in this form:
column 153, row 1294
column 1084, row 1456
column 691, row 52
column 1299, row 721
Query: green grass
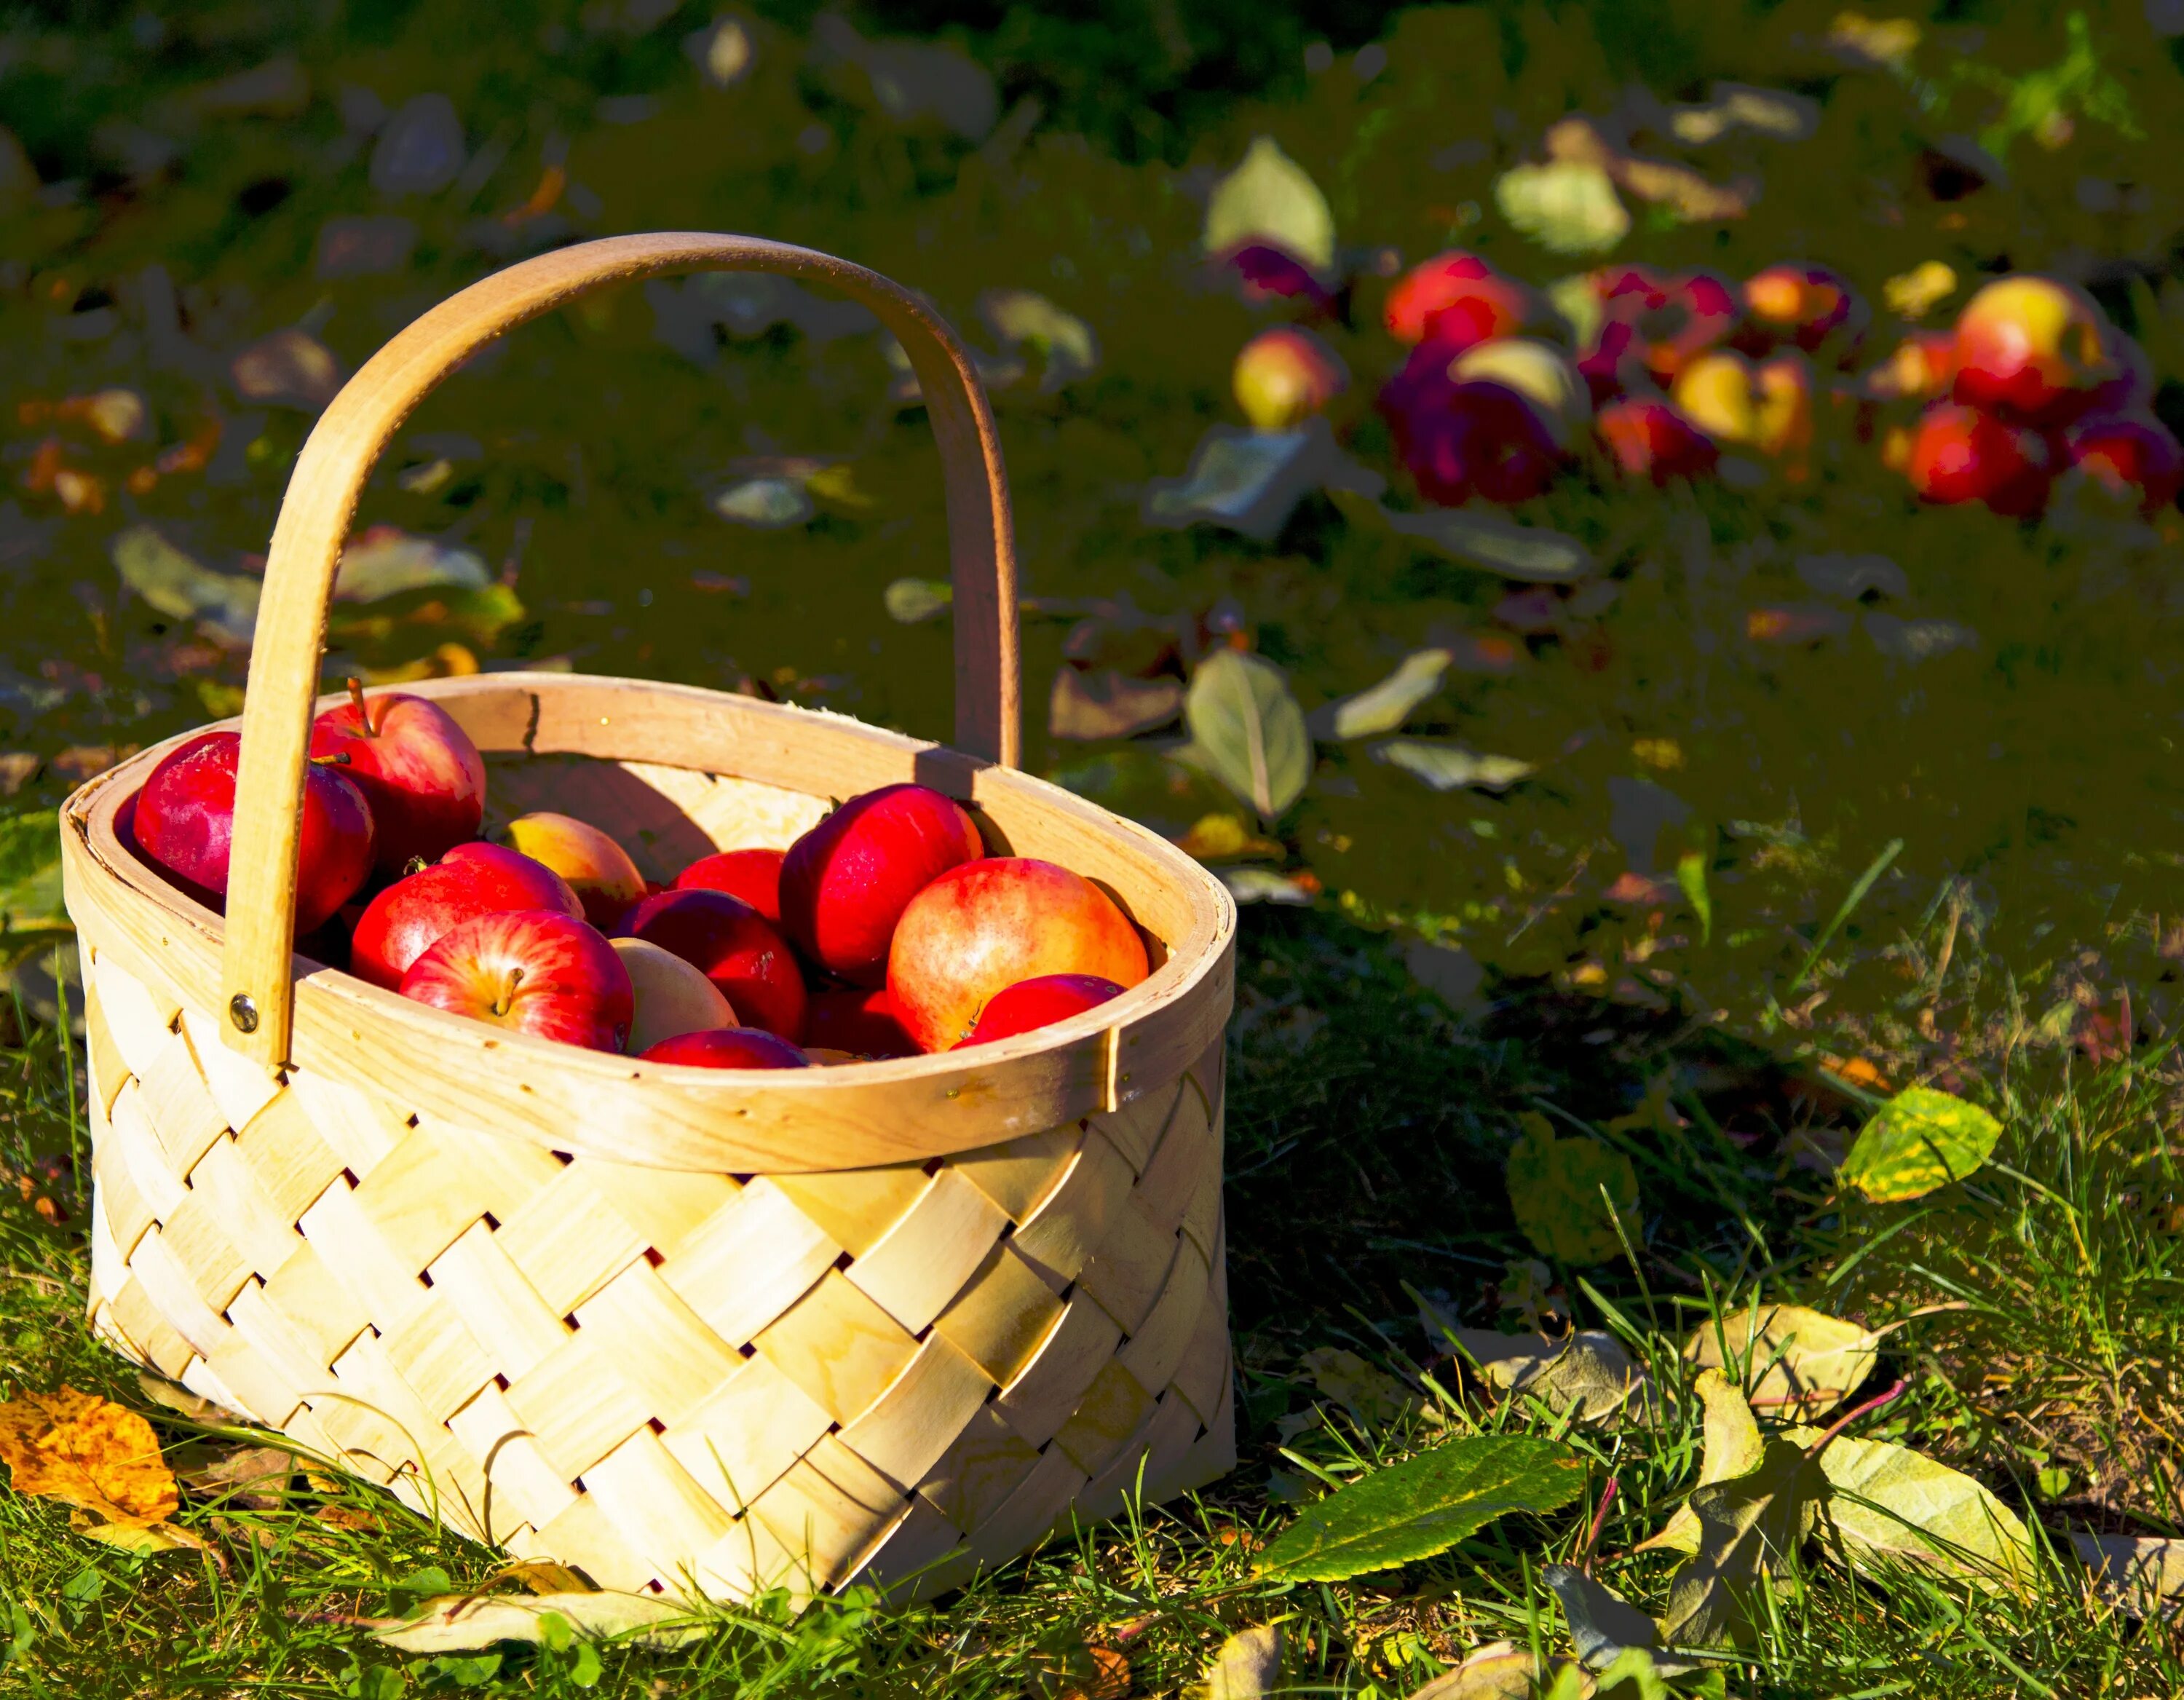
column 2041, row 1310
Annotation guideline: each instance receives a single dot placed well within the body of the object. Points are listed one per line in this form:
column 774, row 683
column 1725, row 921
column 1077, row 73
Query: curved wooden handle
column 257, row 988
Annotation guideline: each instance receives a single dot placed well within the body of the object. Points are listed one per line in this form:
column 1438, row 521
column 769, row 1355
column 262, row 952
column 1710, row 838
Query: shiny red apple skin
column 734, row 947
column 2131, row 454
column 420, row 772
column 1959, row 453
column 845, row 882
column 2034, row 349
column 728, row 1047
column 1456, row 299
column 185, row 823
column 1038, row 1002
column 534, row 971
column 860, row 1021
column 410, row 916
column 1669, row 317
column 1649, row 439
column 752, row 875
column 985, row 926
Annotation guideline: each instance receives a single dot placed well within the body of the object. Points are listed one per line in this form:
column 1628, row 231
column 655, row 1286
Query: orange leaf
column 80, row 1449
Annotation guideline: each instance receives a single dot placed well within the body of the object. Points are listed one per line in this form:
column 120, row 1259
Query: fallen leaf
column 29, row 872
column 1109, row 703
column 1107, row 1677
column 1532, row 555
column 1919, row 1141
column 1604, row 1627
column 1890, row 1501
column 1246, row 1665
column 287, row 368
column 1499, row 1670
column 88, row 1453
column 420, row 148
column 1917, row 640
column 2140, row 1573
column 912, row 601
column 1793, row 624
column 1731, row 1446
column 1881, row 43
column 1747, row 1525
column 767, row 503
column 182, row 589
column 1568, row 206
column 1247, row 731
column 1914, row 293
column 1250, row 482
column 1425, row 1504
column 464, row 1623
column 134, row 1537
column 18, row 768
column 385, row 561
column 1372, row 1396
column 1808, row 1363
column 249, row 1476
column 1587, row 1372
column 1852, row 576
column 1065, row 344
column 721, row 50
column 1270, row 197
column 1384, row 706
column 1262, row 885
column 176, row 1397
column 1221, row 837
column 1448, row 766
column 1555, row 1188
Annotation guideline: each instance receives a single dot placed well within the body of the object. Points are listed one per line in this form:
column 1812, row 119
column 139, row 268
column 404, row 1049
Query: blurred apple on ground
column 1649, row 439
column 1285, row 376
column 2033, row 348
column 1456, row 300
column 1958, row 453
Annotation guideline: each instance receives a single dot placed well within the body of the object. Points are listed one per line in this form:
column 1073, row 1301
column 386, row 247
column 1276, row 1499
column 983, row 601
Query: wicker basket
column 890, row 1322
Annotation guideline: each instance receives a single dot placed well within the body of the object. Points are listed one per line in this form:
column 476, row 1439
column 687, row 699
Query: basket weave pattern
column 733, row 1381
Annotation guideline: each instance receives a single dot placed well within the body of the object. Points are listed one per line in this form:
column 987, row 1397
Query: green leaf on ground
column 1449, row 767
column 1733, row 1447
column 1555, row 1188
column 912, row 601
column 1746, row 1526
column 1920, row 1140
column 1890, row 1502
column 1530, row 553
column 1692, row 875
column 1270, row 197
column 1425, row 1504
column 468, row 1623
column 1384, row 707
column 1568, row 206
column 1247, row 731
column 1807, row 1362
column 182, row 587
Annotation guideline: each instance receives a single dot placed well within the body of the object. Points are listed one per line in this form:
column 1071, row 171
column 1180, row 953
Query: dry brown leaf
column 88, row 1453
column 1246, row 1665
column 1107, row 1676
column 1109, row 704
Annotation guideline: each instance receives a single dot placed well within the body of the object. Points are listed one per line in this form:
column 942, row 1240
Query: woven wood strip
column 667, row 1380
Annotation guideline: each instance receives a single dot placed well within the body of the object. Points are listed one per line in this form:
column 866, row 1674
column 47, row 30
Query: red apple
column 185, row 823
column 1456, row 299
column 860, row 1022
column 1285, row 376
column 2034, row 349
column 536, row 971
column 1461, row 438
column 1615, row 363
column 753, row 875
column 1038, row 1002
column 845, row 882
column 1801, row 304
column 599, row 870
column 1266, row 273
column 410, row 916
column 1649, row 439
column 1958, row 453
column 2132, row 455
column 985, row 926
column 1540, row 372
column 420, row 772
column 728, row 1047
column 731, row 944
column 1672, row 317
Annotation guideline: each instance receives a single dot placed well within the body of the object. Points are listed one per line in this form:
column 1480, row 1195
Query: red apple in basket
column 420, row 772
column 672, row 996
column 535, row 970
column 1961, row 454
column 729, row 1047
column 729, row 943
column 1038, row 1002
column 185, row 823
column 599, row 870
column 980, row 928
column 846, row 882
column 2034, row 349
column 860, row 1022
column 753, row 875
column 410, row 916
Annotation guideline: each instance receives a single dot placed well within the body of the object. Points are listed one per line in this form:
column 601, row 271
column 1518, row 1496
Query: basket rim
column 664, row 1115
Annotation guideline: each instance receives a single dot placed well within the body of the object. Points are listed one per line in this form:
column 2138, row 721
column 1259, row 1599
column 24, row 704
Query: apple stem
column 507, row 998
column 363, row 715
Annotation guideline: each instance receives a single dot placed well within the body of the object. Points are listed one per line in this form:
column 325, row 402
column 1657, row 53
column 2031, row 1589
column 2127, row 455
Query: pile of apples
column 2031, row 380
column 885, row 930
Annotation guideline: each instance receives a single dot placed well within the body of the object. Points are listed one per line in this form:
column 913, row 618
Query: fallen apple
column 2033, row 348
column 1959, row 453
column 185, row 824
column 410, row 916
column 1285, row 376
column 2134, row 456
column 1456, row 300
column 1651, row 439
column 420, row 772
column 599, row 870
column 534, row 971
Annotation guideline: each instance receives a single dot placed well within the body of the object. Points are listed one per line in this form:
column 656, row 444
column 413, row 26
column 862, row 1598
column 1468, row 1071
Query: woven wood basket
column 684, row 1329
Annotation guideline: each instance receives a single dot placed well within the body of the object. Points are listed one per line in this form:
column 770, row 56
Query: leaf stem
column 1851, row 1416
column 1599, row 1522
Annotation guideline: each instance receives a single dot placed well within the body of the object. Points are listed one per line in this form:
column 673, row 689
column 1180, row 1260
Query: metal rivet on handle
column 243, row 1013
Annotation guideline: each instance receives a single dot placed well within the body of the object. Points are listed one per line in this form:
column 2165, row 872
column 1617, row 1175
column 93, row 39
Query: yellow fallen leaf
column 88, row 1453
column 1916, row 293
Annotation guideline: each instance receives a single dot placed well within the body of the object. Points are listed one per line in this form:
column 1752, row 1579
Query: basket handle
column 257, row 988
